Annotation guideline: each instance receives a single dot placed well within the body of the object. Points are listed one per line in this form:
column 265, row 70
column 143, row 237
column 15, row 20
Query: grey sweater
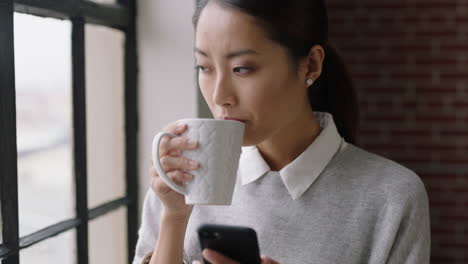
column 362, row 208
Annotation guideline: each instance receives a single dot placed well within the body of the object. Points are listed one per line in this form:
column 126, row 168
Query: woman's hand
column 170, row 156
column 216, row 258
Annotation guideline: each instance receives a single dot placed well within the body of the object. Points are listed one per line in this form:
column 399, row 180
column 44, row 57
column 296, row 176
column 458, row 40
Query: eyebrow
column 231, row 54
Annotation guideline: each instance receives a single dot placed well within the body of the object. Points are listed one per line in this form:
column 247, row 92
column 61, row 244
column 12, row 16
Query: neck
column 290, row 141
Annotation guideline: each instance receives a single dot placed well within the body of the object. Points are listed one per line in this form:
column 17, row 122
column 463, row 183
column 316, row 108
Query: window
column 51, row 125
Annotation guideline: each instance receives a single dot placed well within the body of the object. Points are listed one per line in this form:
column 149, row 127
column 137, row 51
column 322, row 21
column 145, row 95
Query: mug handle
column 158, row 167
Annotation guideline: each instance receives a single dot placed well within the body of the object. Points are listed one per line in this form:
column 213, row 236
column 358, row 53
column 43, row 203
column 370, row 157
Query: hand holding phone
column 236, row 242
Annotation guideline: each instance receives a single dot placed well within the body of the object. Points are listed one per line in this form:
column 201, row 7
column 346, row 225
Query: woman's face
column 244, row 75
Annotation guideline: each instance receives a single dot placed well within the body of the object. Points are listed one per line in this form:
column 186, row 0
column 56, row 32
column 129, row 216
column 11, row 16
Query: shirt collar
column 298, row 175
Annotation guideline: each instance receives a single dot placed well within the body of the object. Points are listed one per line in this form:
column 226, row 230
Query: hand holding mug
column 176, row 168
column 220, row 143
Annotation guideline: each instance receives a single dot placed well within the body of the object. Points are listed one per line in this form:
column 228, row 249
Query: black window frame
column 120, row 16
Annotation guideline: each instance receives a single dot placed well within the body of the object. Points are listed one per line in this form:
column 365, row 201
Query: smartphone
column 236, row 242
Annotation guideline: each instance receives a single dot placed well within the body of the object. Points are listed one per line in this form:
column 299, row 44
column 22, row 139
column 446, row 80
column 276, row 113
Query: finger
column 178, row 177
column 268, row 260
column 215, row 257
column 170, row 163
column 196, row 262
column 183, row 143
column 176, row 145
column 175, row 153
column 174, row 128
column 153, row 172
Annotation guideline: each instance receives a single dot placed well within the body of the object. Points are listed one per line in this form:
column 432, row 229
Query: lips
column 235, row 119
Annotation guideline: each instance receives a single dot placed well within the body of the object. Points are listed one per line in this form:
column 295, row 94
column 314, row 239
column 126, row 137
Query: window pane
column 108, row 238
column 105, row 1
column 59, row 249
column 105, row 129
column 43, row 101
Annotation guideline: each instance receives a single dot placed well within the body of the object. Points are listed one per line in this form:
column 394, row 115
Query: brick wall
column 409, row 61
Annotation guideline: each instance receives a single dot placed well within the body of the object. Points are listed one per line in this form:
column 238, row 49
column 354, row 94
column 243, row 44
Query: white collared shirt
column 301, row 173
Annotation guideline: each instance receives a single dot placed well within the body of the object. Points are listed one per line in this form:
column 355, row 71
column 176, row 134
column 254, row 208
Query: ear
column 313, row 64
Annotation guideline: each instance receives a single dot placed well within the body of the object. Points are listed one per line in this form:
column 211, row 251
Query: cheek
column 206, row 92
column 271, row 98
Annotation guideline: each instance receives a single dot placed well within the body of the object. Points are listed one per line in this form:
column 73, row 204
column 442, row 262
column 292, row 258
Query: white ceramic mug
column 218, row 152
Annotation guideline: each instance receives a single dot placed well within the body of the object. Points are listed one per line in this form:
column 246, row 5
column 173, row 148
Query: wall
column 409, row 60
column 166, row 78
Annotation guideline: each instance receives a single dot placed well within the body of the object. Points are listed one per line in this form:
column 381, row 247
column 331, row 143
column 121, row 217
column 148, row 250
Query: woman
column 311, row 195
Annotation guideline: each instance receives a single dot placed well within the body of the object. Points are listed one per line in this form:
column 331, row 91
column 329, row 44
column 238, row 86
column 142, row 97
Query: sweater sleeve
column 411, row 244
column 148, row 231
column 149, row 228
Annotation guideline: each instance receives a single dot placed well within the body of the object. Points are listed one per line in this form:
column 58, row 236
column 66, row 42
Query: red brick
column 442, row 259
column 361, row 20
column 436, row 34
column 460, row 104
column 411, row 47
column 385, row 5
column 412, row 160
column 447, row 176
column 415, row 75
column 440, row 61
column 385, row 117
column 384, row 60
column 437, row 19
column 435, row 90
column 461, row 19
column 436, row 117
column 455, row 161
column 456, row 217
column 462, row 133
column 457, row 47
column 411, row 19
column 384, row 89
column 460, row 245
column 435, row 105
column 336, row 6
column 454, row 75
column 337, row 20
column 435, row 148
column 367, row 76
column 368, row 48
column 443, row 229
column 410, row 132
column 460, row 190
column 385, row 21
column 387, row 34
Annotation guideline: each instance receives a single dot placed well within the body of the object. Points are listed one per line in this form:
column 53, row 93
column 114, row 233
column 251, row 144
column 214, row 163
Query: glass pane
column 105, row 1
column 108, row 238
column 105, row 114
column 1, row 227
column 43, row 101
column 59, row 249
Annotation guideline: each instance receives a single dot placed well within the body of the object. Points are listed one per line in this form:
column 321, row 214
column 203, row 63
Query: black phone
column 236, row 242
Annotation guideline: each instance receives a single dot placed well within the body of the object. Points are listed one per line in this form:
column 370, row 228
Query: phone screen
column 236, row 242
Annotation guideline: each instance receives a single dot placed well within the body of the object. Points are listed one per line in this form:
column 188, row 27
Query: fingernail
column 188, row 176
column 180, row 127
column 193, row 164
column 193, row 143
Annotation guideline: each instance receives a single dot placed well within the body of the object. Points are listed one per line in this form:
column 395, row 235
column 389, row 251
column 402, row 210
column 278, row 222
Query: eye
column 243, row 70
column 200, row 68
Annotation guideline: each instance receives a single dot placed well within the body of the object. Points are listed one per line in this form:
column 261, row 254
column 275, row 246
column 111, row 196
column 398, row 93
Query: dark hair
column 298, row 25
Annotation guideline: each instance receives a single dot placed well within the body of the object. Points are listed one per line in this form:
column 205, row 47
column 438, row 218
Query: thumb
column 268, row 260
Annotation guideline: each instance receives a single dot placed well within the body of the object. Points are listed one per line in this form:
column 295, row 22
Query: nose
column 224, row 94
